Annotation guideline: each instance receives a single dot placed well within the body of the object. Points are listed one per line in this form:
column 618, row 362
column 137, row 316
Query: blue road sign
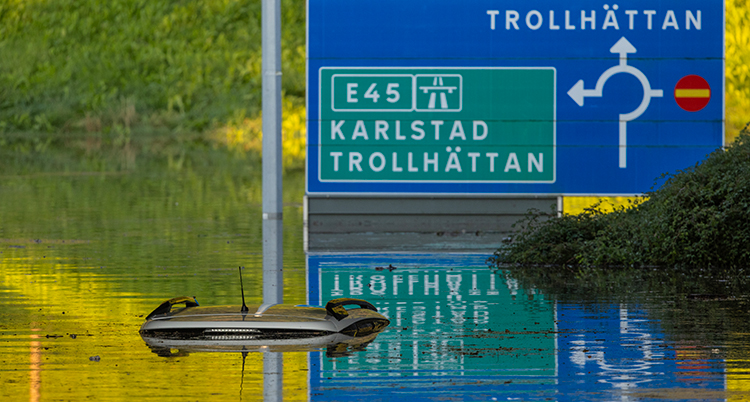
column 486, row 97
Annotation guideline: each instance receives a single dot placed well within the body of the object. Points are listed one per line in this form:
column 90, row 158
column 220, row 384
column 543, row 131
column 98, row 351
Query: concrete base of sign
column 362, row 223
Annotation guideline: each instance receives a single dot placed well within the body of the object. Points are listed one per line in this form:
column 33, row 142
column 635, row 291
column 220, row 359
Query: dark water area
column 84, row 257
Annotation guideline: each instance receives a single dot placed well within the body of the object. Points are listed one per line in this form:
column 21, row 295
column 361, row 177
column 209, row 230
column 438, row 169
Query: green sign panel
column 437, row 125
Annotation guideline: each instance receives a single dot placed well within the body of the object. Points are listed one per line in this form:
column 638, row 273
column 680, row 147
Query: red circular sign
column 692, row 93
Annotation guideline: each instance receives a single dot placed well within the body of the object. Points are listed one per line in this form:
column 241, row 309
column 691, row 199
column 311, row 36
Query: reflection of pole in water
column 273, row 369
column 35, row 367
column 273, row 366
column 242, row 376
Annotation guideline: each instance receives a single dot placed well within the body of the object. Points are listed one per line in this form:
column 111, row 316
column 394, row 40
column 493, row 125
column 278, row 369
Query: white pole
column 273, row 279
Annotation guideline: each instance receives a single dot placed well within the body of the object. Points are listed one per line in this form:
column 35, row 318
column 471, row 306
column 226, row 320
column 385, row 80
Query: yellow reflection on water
column 295, row 376
column 738, row 371
column 738, row 381
column 76, row 338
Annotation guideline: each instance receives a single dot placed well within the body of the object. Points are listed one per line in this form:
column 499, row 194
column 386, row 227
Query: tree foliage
column 737, row 45
column 70, row 64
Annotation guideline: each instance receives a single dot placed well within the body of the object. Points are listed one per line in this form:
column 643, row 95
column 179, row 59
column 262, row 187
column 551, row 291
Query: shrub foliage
column 700, row 217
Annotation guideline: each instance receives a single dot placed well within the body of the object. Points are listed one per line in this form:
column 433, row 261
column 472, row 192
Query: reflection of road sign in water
column 439, row 92
column 692, row 93
column 621, row 348
column 453, row 321
column 461, row 330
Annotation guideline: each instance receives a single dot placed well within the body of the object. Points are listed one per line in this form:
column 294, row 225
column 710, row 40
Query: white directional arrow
column 578, row 92
column 623, row 47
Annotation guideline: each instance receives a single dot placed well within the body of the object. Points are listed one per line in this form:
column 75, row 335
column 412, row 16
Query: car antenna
column 244, row 308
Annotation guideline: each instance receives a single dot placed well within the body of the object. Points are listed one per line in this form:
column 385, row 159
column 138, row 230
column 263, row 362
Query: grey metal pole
column 273, row 278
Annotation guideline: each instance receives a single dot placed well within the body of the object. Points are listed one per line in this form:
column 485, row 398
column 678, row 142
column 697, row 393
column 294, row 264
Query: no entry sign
column 692, row 93
column 481, row 97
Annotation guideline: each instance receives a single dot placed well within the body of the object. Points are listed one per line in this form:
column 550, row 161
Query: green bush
column 700, row 217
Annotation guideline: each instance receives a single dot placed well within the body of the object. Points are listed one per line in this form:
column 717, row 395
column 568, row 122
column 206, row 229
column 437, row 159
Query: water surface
column 83, row 258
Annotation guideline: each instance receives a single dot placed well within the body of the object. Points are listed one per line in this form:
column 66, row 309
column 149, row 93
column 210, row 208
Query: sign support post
column 272, row 190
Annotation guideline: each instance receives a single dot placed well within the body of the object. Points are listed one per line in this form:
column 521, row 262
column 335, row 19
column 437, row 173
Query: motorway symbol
column 692, row 93
column 439, row 92
column 578, row 93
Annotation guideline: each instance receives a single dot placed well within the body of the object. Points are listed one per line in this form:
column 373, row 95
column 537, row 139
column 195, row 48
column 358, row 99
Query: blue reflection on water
column 608, row 348
column 462, row 332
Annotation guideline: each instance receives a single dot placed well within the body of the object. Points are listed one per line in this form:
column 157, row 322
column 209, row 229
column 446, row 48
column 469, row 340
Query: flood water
column 83, row 259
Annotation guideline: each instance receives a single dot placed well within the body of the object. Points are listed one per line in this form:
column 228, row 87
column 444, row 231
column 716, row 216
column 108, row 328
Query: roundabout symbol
column 578, row 93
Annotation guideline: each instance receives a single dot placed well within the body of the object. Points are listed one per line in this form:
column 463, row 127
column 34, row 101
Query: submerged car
column 181, row 318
